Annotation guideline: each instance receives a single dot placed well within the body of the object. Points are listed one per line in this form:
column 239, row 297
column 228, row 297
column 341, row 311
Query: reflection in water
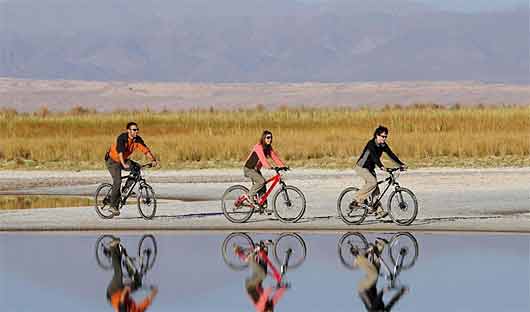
column 111, row 254
column 240, row 251
column 40, row 201
column 401, row 251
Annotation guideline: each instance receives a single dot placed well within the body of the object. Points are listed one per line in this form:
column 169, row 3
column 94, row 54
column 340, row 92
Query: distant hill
column 260, row 41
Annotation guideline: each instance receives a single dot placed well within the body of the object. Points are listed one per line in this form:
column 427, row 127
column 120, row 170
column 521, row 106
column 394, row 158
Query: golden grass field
column 421, row 135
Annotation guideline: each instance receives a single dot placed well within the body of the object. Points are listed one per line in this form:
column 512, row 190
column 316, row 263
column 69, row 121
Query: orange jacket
column 129, row 302
column 127, row 146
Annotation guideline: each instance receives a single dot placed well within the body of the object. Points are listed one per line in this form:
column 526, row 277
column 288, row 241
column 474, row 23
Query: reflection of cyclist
column 256, row 160
column 119, row 294
column 117, row 156
column 365, row 167
column 370, row 262
column 259, row 262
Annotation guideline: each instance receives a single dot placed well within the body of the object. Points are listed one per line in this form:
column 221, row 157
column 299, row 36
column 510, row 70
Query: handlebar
column 278, row 169
column 392, row 170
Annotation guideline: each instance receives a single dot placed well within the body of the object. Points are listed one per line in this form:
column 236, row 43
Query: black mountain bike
column 136, row 267
column 402, row 205
column 145, row 195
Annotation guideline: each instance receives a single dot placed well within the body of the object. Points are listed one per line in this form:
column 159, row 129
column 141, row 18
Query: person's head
column 266, row 141
column 269, row 306
column 132, row 129
column 380, row 134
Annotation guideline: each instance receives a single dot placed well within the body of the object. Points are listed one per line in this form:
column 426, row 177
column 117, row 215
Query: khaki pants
column 372, row 274
column 370, row 186
column 257, row 179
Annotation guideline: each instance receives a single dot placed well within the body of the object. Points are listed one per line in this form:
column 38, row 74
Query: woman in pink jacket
column 258, row 159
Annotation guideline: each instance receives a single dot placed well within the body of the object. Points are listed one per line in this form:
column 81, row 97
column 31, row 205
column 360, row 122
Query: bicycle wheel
column 349, row 213
column 404, row 248
column 346, row 242
column 402, row 206
column 235, row 205
column 146, row 201
column 297, row 247
column 102, row 199
column 147, row 251
column 289, row 204
column 103, row 257
column 230, row 257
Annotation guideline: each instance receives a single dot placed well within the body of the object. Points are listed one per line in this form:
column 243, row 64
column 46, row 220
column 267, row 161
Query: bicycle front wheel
column 239, row 240
column 348, row 242
column 147, row 251
column 235, row 204
column 102, row 199
column 403, row 250
column 402, row 206
column 349, row 213
column 293, row 246
column 146, row 201
column 289, row 204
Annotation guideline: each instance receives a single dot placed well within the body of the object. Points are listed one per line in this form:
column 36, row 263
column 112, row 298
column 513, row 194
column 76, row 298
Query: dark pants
column 115, row 172
column 117, row 279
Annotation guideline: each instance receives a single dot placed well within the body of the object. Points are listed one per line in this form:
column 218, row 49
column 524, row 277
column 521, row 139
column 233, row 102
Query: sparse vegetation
column 422, row 135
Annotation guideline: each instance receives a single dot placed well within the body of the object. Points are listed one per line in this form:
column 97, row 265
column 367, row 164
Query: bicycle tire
column 343, row 249
column 402, row 206
column 410, row 244
column 99, row 249
column 290, row 195
column 146, row 198
column 226, row 250
column 142, row 249
column 299, row 249
column 343, row 207
column 229, row 198
column 101, row 197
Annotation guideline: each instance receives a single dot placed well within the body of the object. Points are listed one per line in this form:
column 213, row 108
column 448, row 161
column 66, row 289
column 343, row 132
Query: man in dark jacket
column 365, row 168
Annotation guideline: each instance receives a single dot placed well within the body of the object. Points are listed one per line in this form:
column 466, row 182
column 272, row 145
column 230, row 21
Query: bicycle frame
column 391, row 182
column 275, row 180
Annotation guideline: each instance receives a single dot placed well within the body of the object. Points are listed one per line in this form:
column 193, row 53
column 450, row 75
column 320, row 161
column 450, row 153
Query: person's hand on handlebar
column 403, row 167
column 154, row 163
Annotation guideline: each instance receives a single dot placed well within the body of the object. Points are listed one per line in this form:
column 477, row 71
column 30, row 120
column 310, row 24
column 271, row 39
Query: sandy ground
column 449, row 200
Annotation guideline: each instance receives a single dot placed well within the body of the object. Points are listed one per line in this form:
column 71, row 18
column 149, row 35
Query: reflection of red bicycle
column 288, row 203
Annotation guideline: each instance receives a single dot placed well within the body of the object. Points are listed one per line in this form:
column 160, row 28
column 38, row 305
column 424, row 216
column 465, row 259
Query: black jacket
column 371, row 155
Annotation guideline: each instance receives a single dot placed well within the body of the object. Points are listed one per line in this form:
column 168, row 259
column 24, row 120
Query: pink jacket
column 262, row 159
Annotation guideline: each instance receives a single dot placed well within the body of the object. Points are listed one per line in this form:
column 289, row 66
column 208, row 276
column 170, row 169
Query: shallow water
column 452, row 272
column 43, row 201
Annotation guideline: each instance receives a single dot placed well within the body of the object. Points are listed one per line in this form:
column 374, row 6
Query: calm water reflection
column 305, row 272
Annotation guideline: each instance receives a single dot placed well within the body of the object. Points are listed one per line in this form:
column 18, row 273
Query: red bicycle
column 288, row 204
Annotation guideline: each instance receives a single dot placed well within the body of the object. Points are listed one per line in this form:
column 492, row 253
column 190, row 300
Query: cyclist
column 258, row 159
column 117, row 158
column 119, row 294
column 258, row 261
column 365, row 167
column 370, row 263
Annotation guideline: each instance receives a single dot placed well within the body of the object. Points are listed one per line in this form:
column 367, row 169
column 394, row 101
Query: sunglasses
column 268, row 137
column 134, row 129
column 384, row 136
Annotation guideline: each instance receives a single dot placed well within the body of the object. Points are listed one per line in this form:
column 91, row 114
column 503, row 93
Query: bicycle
column 400, row 200
column 289, row 207
column 136, row 267
column 403, row 251
column 145, row 195
column 290, row 246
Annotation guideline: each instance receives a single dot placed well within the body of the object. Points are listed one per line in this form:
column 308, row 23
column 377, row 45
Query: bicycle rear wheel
column 146, row 201
column 346, row 242
column 403, row 248
column 293, row 244
column 350, row 214
column 103, row 256
column 230, row 257
column 235, row 205
column 402, row 206
column 289, row 204
column 147, row 251
column 102, row 199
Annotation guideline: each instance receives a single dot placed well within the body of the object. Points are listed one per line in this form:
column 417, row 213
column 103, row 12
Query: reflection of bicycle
column 288, row 203
column 289, row 250
column 402, row 248
column 402, row 205
column 145, row 195
column 136, row 267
